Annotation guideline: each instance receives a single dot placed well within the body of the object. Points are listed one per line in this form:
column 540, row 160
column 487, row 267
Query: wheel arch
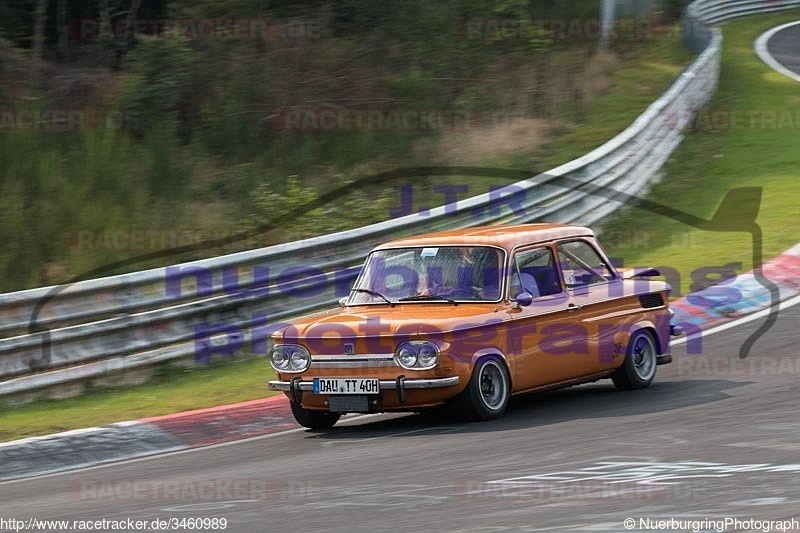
column 624, row 336
column 651, row 328
column 496, row 352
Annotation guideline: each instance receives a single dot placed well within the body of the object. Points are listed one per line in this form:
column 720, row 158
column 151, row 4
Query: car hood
column 385, row 320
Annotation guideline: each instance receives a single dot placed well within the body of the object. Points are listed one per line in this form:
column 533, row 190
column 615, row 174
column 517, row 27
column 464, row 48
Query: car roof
column 505, row 236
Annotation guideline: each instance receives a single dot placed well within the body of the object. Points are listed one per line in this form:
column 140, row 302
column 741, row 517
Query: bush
column 275, row 207
column 159, row 85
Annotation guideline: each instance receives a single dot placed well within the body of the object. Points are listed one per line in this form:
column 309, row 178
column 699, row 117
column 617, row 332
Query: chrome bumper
column 385, row 384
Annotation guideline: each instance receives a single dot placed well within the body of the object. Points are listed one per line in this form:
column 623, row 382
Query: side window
column 581, row 265
column 535, row 272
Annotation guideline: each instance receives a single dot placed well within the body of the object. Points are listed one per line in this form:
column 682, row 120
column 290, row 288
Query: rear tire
column 314, row 419
column 486, row 396
column 639, row 367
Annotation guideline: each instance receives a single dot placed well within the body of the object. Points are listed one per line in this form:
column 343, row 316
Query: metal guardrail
column 66, row 333
column 718, row 11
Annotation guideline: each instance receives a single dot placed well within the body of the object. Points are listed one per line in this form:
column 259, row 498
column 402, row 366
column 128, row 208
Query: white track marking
column 763, row 51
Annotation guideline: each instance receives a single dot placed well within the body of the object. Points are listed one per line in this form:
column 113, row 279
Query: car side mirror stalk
column 343, row 301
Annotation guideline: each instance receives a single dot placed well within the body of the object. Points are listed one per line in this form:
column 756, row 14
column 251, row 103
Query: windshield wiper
column 424, row 297
column 376, row 294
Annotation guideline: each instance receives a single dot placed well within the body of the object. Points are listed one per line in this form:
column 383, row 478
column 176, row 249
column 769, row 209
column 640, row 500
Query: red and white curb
column 87, row 447
column 742, row 295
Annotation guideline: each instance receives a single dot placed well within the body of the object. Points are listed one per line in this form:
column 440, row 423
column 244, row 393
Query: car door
column 595, row 293
column 549, row 348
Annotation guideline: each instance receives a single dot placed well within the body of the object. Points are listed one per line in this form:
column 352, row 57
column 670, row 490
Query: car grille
column 353, row 361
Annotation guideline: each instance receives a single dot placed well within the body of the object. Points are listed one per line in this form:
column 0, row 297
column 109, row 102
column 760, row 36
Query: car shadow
column 593, row 401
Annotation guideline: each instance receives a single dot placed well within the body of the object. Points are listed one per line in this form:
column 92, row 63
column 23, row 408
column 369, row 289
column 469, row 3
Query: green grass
column 635, row 86
column 173, row 390
column 645, row 73
column 710, row 162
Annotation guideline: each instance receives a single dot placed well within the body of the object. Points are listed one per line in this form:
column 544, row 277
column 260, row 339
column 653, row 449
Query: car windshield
column 431, row 273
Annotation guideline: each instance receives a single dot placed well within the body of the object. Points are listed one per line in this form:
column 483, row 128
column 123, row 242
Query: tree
column 61, row 23
column 38, row 39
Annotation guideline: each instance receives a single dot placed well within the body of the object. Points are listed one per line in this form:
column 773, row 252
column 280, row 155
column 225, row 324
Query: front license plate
column 346, row 386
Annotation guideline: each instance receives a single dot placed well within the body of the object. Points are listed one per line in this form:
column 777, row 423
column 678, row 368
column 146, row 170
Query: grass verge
column 725, row 150
column 173, row 390
column 635, row 84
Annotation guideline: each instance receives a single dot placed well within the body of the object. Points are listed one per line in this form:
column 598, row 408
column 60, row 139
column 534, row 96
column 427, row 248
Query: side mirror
column 343, row 302
column 524, row 298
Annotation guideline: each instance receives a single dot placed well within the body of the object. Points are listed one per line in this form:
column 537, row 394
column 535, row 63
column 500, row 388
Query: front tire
column 488, row 391
column 639, row 367
column 314, row 419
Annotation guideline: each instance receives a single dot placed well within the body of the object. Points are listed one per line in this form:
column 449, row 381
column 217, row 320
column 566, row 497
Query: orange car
column 472, row 317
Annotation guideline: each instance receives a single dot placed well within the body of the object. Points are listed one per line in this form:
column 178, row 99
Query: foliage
column 160, row 82
column 201, row 139
column 357, row 208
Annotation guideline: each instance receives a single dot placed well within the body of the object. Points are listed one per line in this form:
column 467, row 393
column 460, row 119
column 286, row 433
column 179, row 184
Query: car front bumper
column 385, row 384
column 400, row 385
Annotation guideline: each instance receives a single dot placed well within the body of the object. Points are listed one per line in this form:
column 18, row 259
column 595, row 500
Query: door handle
column 573, row 307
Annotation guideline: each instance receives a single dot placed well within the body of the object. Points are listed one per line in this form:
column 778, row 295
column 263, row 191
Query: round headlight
column 428, row 355
column 299, row 359
column 407, row 356
column 279, row 358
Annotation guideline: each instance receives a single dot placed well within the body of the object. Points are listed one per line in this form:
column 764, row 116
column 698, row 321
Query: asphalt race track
column 708, row 440
column 785, row 47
